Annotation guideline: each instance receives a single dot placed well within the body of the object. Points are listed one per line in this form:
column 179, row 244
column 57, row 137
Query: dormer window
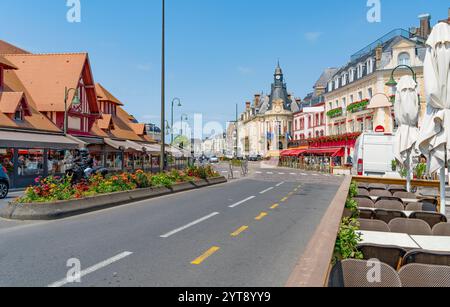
column 370, row 66
column 404, row 59
column 18, row 116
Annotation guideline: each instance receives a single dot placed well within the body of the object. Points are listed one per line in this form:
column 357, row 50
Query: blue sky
column 219, row 52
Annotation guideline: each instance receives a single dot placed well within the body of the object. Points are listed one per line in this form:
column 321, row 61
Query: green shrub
column 347, row 241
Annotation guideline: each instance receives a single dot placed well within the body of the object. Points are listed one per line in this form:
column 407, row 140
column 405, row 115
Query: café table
column 433, row 243
column 388, row 238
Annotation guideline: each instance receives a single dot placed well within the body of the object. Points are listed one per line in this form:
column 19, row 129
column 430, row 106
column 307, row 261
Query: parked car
column 255, row 158
column 4, row 183
column 374, row 153
column 213, row 159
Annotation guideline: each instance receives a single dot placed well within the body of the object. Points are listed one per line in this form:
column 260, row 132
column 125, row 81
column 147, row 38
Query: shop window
column 6, row 160
column 30, row 162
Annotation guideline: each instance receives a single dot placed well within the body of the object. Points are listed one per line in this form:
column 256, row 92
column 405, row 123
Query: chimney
column 257, row 100
column 378, row 55
column 425, row 25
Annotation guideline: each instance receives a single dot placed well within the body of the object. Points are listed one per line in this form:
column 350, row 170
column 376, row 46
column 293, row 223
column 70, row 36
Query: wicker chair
column 426, row 257
column 364, row 202
column 379, row 186
column 366, row 214
column 391, row 255
column 397, row 188
column 353, row 274
column 432, row 218
column 373, row 225
column 425, row 276
column 389, row 198
column 410, row 226
column 379, row 193
column 363, row 185
column 363, row 192
column 388, row 215
column 405, row 195
column 442, row 229
column 414, row 207
column 390, row 205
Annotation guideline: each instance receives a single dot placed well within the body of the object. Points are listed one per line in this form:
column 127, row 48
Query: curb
column 63, row 209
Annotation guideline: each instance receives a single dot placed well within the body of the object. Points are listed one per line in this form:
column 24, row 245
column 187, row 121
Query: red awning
column 332, row 152
column 292, row 152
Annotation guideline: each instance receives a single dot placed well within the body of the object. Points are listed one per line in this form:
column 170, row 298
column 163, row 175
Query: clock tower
column 279, row 91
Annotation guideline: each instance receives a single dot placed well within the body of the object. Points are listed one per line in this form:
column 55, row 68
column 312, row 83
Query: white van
column 374, row 153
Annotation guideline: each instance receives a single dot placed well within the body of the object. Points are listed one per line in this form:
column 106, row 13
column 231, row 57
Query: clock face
column 278, row 77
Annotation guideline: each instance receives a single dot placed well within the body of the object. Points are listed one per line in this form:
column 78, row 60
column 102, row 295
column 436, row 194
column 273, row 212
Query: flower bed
column 53, row 189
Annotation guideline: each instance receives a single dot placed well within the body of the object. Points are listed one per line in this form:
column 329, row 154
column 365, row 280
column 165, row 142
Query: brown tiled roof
column 35, row 120
column 9, row 101
column 104, row 123
column 139, row 129
column 7, row 48
column 6, row 64
column 45, row 76
column 104, row 95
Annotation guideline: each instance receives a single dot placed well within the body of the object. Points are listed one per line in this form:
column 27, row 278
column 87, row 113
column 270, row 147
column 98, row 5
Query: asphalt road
column 248, row 232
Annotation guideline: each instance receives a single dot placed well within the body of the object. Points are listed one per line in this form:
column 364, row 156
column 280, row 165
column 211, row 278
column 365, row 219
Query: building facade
column 265, row 127
column 37, row 104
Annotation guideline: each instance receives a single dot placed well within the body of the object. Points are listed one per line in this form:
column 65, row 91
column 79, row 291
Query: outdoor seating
column 389, row 198
column 362, row 185
column 366, row 214
column 363, row 192
column 425, row 275
column 397, row 188
column 364, row 202
column 379, row 186
column 410, row 226
column 442, row 229
column 431, row 218
column 353, row 273
column 391, row 255
column 426, row 257
column 373, row 225
column 388, row 215
column 405, row 195
column 390, row 205
column 414, row 207
column 379, row 193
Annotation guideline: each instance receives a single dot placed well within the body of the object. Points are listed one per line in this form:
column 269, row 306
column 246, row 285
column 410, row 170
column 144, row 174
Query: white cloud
column 313, row 36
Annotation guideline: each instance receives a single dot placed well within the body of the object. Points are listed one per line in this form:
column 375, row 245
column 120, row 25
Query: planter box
column 62, row 209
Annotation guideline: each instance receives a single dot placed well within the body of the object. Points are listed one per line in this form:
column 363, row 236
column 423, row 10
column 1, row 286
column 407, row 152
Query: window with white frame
column 404, row 59
column 369, row 66
column 360, row 95
column 352, row 99
column 370, row 92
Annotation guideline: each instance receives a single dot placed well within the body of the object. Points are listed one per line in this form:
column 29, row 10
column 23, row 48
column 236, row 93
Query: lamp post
column 75, row 101
column 392, row 83
column 162, row 161
column 178, row 105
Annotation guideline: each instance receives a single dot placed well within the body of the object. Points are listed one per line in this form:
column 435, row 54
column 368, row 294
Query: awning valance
column 24, row 140
column 330, row 152
column 292, row 152
column 125, row 145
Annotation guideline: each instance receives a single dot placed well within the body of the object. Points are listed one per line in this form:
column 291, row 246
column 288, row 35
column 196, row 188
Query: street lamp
column 178, row 105
column 162, row 160
column 75, row 102
column 392, row 83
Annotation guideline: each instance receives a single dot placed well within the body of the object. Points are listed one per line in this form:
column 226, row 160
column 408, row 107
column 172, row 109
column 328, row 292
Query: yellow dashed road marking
column 205, row 256
column 239, row 231
column 261, row 216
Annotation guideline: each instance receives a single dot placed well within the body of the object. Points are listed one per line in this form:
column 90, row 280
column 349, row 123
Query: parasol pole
column 408, row 172
column 442, row 190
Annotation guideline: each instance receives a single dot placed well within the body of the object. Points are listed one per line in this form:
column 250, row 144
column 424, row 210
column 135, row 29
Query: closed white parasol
column 435, row 132
column 407, row 116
